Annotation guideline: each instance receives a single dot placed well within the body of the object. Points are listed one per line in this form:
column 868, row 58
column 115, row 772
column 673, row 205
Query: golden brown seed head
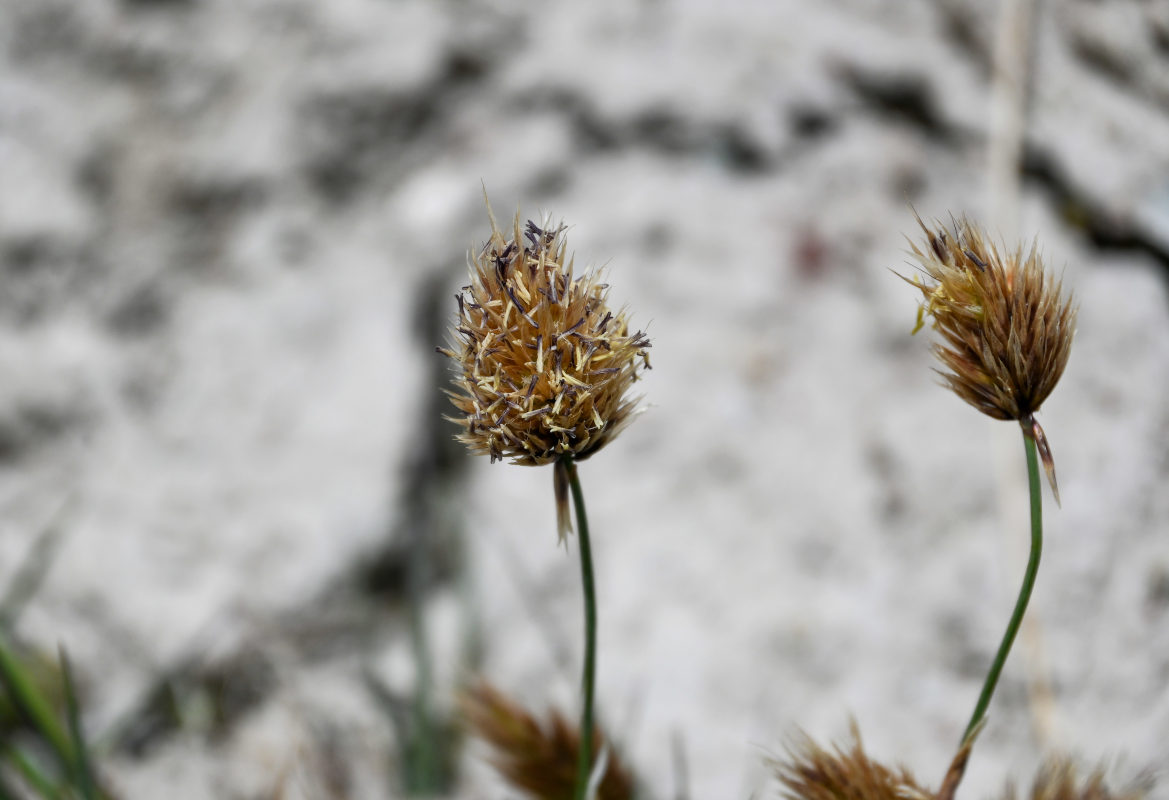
column 538, row 759
column 545, row 364
column 1006, row 326
column 1058, row 780
column 809, row 772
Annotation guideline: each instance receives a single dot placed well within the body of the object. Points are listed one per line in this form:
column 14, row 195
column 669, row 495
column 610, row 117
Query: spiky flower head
column 539, row 759
column 545, row 366
column 1006, row 326
column 1059, row 780
column 809, row 772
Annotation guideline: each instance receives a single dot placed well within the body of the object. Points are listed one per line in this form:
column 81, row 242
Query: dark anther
column 936, row 244
column 523, row 311
column 515, row 300
column 605, row 322
column 501, row 258
column 977, row 261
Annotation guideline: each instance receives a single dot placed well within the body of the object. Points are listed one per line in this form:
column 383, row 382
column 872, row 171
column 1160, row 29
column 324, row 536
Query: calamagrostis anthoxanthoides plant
column 1006, row 330
column 809, row 772
column 539, row 758
column 1059, row 780
column 544, row 373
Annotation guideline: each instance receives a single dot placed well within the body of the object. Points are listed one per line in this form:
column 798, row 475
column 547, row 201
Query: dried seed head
column 810, row 772
column 1058, row 780
column 1006, row 327
column 545, row 365
column 539, row 760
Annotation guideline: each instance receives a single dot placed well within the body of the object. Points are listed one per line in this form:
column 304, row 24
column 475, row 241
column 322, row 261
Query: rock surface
column 229, row 236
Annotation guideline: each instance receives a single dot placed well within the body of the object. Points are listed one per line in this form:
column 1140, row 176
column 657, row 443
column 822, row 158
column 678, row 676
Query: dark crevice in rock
column 221, row 694
column 903, row 96
column 909, row 98
column 213, row 200
column 38, row 270
column 1104, row 61
column 205, row 210
column 32, row 424
column 811, row 123
column 433, row 475
column 141, row 310
column 1126, row 68
column 356, row 135
column 960, row 27
column 1159, row 34
column 549, row 182
column 660, row 129
column 1106, row 231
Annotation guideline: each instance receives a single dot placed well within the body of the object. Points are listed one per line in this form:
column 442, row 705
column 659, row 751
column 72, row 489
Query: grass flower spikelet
column 809, row 772
column 1058, row 780
column 1006, row 326
column 539, row 759
column 545, row 366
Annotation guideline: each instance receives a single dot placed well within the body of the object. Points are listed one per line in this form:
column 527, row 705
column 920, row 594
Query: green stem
column 585, row 760
column 83, row 771
column 31, row 772
column 33, row 706
column 1000, row 658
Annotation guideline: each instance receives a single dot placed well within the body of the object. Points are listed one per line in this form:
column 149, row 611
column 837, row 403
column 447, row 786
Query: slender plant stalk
column 1000, row 658
column 585, row 760
column 32, row 773
column 82, row 769
column 33, row 706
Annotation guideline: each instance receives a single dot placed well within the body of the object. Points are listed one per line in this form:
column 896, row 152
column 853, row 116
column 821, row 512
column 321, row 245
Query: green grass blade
column 32, row 705
column 32, row 774
column 82, row 769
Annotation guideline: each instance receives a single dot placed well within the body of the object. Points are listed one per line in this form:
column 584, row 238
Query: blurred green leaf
column 32, row 705
column 82, row 771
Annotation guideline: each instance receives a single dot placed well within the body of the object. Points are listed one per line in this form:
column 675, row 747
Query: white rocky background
column 229, row 238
